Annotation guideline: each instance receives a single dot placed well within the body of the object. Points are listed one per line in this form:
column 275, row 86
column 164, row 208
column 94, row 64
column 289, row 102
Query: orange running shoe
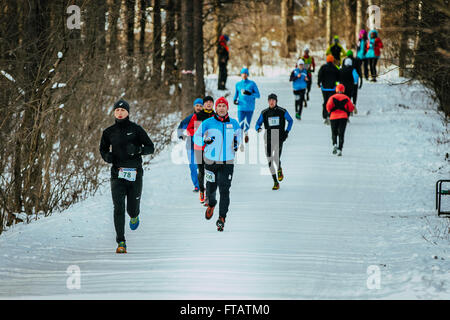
column 202, row 196
column 209, row 212
column 122, row 247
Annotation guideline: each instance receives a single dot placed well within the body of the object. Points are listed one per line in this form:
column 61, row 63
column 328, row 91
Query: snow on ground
column 338, row 228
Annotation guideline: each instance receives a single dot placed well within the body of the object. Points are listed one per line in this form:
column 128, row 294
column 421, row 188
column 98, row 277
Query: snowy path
column 316, row 237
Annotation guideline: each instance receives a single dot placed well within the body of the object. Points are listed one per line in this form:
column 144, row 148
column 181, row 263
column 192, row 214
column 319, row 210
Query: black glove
column 133, row 149
column 235, row 102
column 247, row 93
column 235, row 144
column 209, row 140
column 259, row 130
column 285, row 136
column 109, row 157
column 182, row 137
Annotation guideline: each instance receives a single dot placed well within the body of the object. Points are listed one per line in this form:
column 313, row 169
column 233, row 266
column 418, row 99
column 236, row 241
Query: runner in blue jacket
column 299, row 78
column 222, row 136
column 198, row 106
column 244, row 97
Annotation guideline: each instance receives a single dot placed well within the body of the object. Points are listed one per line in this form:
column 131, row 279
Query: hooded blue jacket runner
column 246, row 102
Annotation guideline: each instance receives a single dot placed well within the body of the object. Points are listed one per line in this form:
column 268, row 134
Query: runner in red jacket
column 339, row 107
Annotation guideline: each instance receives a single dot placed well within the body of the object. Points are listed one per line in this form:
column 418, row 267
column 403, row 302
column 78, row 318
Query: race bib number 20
column 128, row 174
column 209, row 176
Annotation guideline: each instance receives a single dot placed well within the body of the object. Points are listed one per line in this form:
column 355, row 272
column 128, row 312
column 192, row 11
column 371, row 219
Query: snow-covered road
column 336, row 228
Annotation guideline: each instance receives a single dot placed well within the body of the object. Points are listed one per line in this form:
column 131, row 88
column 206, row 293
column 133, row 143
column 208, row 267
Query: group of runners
column 213, row 137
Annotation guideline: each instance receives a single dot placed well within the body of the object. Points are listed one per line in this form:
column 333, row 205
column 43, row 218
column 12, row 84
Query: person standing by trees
column 339, row 106
column 336, row 50
column 123, row 145
column 310, row 66
column 223, row 53
column 221, row 136
column 274, row 119
column 374, row 46
column 299, row 78
column 361, row 51
column 198, row 107
column 327, row 80
column 244, row 97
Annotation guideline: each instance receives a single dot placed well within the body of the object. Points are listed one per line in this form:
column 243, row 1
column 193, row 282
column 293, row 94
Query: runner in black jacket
column 274, row 119
column 123, row 145
column 346, row 77
column 326, row 80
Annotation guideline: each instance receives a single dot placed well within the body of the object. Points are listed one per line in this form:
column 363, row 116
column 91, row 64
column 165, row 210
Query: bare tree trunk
column 291, row 38
column 130, row 4
column 142, row 24
column 179, row 35
column 350, row 13
column 259, row 24
column 403, row 48
column 328, row 21
column 322, row 11
column 284, row 51
column 187, row 77
column 130, row 13
column 169, row 43
column 198, row 48
column 142, row 48
column 100, row 25
column 419, row 20
column 359, row 18
column 96, row 20
column 218, row 27
column 157, row 54
column 113, row 16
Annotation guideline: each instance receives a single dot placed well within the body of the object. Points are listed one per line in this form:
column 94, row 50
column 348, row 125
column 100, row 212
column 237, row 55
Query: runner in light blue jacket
column 244, row 97
column 222, row 136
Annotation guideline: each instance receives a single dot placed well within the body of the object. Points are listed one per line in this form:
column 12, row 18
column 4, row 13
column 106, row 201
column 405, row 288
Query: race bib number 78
column 128, row 174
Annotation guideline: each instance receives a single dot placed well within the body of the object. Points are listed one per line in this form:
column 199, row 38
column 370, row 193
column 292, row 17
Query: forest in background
column 58, row 85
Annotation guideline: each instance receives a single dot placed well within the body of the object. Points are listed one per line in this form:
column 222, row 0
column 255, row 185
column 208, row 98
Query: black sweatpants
column 373, row 66
column 309, row 83
column 201, row 169
column 273, row 154
column 299, row 99
column 222, row 175
column 122, row 189
column 355, row 93
column 223, row 74
column 326, row 95
column 364, row 65
column 338, row 130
